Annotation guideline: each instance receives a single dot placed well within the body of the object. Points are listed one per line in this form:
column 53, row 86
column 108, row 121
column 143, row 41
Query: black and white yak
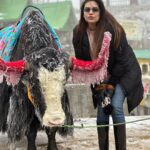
column 39, row 100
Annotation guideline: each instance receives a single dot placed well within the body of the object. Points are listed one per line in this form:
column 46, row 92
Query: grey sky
column 76, row 3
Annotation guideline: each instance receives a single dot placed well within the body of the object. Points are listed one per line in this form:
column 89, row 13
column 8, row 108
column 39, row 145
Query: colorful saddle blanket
column 9, row 36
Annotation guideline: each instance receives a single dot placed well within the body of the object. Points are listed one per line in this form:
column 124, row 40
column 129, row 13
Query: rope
column 98, row 126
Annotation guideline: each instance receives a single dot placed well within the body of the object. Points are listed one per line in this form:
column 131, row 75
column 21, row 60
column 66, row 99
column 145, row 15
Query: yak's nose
column 56, row 121
column 53, row 120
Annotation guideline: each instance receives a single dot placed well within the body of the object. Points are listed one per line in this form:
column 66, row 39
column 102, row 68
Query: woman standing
column 107, row 61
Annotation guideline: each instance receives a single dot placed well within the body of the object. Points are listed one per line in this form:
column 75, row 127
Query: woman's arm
column 126, row 70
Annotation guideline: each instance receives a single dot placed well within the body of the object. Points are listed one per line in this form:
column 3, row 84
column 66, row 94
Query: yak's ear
column 25, row 77
column 30, row 72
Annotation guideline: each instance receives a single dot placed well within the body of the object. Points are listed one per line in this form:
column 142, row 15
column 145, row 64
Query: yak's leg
column 51, row 132
column 31, row 136
column 5, row 93
column 31, row 139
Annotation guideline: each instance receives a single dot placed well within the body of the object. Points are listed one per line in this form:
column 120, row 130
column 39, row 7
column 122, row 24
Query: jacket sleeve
column 126, row 70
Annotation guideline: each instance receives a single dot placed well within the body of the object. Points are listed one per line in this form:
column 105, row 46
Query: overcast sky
column 75, row 3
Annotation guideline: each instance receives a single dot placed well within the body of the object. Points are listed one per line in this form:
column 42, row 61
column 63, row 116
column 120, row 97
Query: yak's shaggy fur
column 18, row 115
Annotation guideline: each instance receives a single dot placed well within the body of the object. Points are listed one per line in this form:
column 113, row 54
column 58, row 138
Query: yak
column 38, row 100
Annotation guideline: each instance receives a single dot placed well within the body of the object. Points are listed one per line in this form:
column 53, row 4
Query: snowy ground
column 138, row 136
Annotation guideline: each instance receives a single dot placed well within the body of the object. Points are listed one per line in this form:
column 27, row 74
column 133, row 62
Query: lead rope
column 100, row 126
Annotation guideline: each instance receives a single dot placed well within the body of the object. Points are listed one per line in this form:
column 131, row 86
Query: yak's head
column 45, row 79
column 40, row 92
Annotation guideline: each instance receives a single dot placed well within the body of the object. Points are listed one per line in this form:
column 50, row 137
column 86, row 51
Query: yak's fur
column 18, row 116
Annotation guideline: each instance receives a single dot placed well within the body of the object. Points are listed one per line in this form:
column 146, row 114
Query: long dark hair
column 106, row 20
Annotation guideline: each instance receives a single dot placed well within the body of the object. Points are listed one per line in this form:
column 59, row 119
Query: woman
column 123, row 77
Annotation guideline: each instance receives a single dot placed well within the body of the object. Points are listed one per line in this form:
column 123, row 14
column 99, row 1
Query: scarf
column 95, row 71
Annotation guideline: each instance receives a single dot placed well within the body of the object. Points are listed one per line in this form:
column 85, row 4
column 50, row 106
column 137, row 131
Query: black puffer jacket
column 122, row 65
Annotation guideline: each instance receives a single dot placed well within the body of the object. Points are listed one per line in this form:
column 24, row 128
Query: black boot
column 120, row 137
column 103, row 137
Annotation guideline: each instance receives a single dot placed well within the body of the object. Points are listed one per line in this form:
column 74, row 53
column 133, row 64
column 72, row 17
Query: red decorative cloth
column 11, row 71
column 95, row 71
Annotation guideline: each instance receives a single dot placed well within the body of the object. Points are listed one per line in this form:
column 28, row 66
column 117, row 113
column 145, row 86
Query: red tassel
column 16, row 66
column 12, row 71
column 95, row 71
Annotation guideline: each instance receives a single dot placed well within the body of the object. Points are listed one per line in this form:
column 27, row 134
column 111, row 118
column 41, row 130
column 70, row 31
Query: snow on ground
column 138, row 136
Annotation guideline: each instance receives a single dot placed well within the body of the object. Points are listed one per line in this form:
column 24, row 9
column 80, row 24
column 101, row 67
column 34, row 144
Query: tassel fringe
column 91, row 72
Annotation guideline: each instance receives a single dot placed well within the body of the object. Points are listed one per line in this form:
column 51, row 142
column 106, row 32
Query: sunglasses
column 93, row 9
